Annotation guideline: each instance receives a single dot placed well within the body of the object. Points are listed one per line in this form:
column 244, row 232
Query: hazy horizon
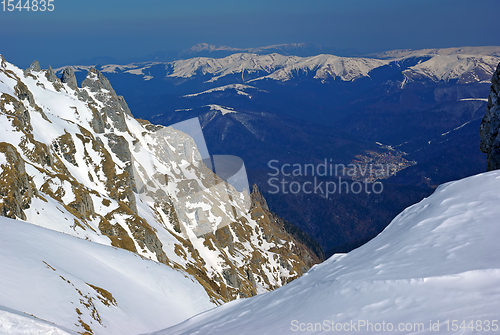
column 76, row 31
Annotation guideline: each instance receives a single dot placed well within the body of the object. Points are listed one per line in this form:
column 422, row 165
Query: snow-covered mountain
column 467, row 65
column 433, row 270
column 401, row 53
column 253, row 67
column 75, row 161
column 463, row 68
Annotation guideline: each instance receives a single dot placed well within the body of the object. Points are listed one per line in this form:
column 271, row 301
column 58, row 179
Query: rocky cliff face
column 73, row 159
column 490, row 126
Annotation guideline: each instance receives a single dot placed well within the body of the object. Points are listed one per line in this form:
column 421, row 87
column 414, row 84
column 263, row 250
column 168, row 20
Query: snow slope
column 70, row 281
column 15, row 322
column 436, row 262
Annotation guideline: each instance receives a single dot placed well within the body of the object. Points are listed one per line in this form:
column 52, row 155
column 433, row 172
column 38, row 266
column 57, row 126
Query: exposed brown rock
column 17, row 188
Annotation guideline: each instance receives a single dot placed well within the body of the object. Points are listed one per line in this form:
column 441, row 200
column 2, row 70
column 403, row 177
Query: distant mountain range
column 208, row 50
column 487, row 50
column 290, row 49
column 432, row 64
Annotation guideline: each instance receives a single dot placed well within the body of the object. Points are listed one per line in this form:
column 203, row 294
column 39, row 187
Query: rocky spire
column 114, row 106
column 490, row 126
column 258, row 198
column 50, row 75
column 69, row 78
column 96, row 81
column 35, row 67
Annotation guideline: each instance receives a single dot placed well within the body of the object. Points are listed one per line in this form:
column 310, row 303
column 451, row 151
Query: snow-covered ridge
column 464, row 68
column 436, row 262
column 234, row 64
column 254, row 67
column 223, row 110
column 239, row 88
column 327, row 66
column 466, row 65
column 278, row 67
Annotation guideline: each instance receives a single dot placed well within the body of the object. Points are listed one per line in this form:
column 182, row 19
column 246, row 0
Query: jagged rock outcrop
column 35, row 66
column 113, row 106
column 307, row 249
column 17, row 187
column 490, row 126
column 68, row 77
column 23, row 93
column 51, row 75
column 76, row 161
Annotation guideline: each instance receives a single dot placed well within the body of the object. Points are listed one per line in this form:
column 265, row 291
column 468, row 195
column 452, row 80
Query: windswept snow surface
column 63, row 280
column 436, row 262
column 14, row 322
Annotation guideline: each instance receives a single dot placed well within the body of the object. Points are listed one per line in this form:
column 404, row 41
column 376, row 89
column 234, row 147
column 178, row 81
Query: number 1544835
column 27, row 5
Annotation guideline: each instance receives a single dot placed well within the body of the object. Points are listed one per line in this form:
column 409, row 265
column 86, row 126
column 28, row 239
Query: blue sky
column 122, row 29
